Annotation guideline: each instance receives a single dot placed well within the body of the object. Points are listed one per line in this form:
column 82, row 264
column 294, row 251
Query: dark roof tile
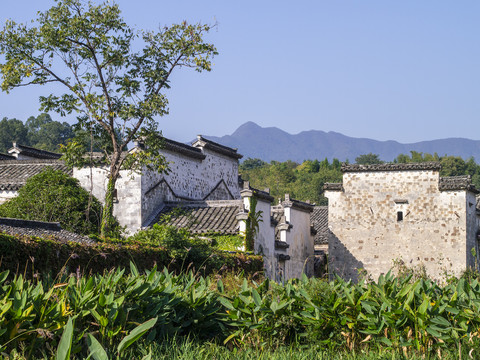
column 7, row 157
column 40, row 229
column 202, row 216
column 319, row 220
column 34, row 152
column 451, row 183
column 391, row 167
column 183, row 149
column 201, row 142
column 14, row 173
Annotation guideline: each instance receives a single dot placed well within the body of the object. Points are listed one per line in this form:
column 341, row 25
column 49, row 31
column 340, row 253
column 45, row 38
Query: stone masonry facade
column 401, row 212
column 203, row 171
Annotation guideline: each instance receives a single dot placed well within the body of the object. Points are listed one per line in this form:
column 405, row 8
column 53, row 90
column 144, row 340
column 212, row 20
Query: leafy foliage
column 396, row 314
column 252, row 224
column 368, row 159
column 12, row 130
column 46, row 134
column 451, row 165
column 302, row 181
column 55, row 197
column 185, row 249
column 116, row 91
column 40, row 132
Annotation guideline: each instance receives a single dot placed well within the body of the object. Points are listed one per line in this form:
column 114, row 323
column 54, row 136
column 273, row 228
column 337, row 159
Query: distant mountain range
column 272, row 143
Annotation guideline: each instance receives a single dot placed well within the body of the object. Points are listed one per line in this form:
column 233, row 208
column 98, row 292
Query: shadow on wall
column 341, row 261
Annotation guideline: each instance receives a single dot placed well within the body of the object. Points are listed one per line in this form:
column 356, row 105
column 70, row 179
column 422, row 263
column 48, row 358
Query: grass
column 187, row 349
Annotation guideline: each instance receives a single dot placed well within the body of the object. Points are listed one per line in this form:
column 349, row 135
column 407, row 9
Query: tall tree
column 46, row 134
column 12, row 130
column 116, row 90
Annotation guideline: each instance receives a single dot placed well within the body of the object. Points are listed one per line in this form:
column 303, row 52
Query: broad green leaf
column 133, row 269
column 256, row 298
column 95, row 348
column 65, row 345
column 226, row 303
column 135, row 334
column 422, row 309
column 220, row 287
column 440, row 320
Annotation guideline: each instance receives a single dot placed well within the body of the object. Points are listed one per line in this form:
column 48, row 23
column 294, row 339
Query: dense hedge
column 36, row 257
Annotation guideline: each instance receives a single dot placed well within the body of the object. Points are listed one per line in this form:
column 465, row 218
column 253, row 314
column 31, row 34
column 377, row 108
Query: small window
column 399, row 215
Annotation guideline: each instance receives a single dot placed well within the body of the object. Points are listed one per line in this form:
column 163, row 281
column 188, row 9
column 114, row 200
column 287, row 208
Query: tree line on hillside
column 40, row 132
column 305, row 181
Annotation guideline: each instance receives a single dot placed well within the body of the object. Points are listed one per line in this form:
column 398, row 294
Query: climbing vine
column 252, row 224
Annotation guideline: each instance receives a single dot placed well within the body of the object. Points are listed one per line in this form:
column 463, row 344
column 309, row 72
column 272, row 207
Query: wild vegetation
column 395, row 315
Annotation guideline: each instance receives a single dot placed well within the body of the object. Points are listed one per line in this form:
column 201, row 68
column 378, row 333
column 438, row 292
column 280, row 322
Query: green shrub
column 36, row 257
column 186, row 249
column 227, row 242
column 55, row 197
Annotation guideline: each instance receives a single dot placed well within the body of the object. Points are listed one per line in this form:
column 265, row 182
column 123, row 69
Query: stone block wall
column 384, row 216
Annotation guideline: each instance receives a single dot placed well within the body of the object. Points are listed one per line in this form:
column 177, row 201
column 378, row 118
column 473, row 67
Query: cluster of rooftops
column 22, row 162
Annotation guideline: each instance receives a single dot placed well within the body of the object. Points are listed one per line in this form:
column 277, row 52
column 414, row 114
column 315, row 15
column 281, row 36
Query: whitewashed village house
column 203, row 179
column 378, row 214
column 405, row 212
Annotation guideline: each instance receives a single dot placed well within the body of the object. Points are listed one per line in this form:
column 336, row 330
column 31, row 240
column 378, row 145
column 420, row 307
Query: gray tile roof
column 319, row 220
column 296, row 204
column 451, row 183
column 40, row 229
column 7, row 157
column 201, row 217
column 202, row 142
column 34, row 152
column 183, row 149
column 333, row 187
column 14, row 173
column 391, row 167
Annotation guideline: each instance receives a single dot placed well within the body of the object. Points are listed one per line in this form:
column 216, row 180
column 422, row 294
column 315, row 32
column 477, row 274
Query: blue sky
column 388, row 70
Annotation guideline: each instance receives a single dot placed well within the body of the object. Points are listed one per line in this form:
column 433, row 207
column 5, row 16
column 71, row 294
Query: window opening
column 399, row 215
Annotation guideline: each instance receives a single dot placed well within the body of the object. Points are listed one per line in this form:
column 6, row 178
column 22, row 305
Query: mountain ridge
column 272, row 143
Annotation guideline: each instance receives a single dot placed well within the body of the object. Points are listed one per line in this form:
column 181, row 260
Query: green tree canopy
column 368, row 159
column 302, row 181
column 46, row 134
column 113, row 76
column 55, row 197
column 41, row 132
column 250, row 163
column 12, row 130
